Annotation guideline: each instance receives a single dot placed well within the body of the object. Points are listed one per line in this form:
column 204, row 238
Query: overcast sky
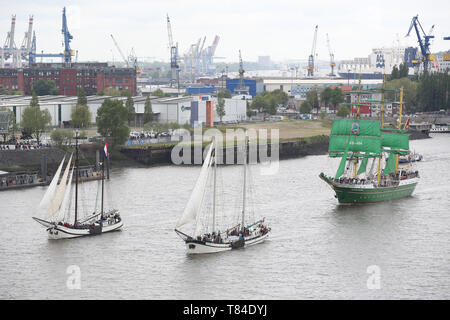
column 282, row 29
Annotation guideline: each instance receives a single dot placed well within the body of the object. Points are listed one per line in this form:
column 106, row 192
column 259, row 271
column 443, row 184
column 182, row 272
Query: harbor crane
column 66, row 55
column 174, row 67
column 241, row 89
column 310, row 66
column 424, row 43
column 332, row 63
column 120, row 51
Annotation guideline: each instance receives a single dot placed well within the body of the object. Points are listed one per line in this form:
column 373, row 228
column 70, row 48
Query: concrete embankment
column 150, row 155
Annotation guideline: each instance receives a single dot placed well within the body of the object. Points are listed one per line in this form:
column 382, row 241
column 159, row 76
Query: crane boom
column 332, row 63
column 120, row 51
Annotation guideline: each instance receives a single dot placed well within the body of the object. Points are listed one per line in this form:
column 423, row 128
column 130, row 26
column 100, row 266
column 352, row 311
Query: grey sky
column 282, row 29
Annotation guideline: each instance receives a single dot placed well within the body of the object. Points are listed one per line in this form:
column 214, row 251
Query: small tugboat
column 58, row 198
column 238, row 236
column 361, row 142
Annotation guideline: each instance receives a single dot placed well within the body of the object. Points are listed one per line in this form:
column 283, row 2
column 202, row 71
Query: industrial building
column 93, row 77
column 166, row 109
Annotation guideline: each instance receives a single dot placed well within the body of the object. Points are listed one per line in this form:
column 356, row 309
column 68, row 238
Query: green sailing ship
column 369, row 169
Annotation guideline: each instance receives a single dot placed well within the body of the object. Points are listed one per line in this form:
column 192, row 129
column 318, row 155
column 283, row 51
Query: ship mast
column 103, row 182
column 358, row 116
column 399, row 124
column 76, row 177
column 245, row 180
column 214, row 192
column 381, row 125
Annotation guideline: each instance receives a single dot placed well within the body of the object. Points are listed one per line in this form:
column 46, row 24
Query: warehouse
column 165, row 109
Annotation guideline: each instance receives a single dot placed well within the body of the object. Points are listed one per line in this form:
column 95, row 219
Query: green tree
column 249, row 109
column 148, row 112
column 220, row 108
column 325, row 96
column 45, row 87
column 259, row 103
column 35, row 120
column 409, row 93
column 129, row 104
column 158, row 93
column 322, row 114
column 82, row 100
column 312, row 96
column 433, row 91
column 111, row 119
column 81, row 116
column 111, row 92
column 280, row 96
column 61, row 136
column 224, row 94
column 337, row 97
column 305, row 107
column 3, row 90
column 343, row 111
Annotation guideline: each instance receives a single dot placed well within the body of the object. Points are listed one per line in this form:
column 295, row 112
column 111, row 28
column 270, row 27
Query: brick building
column 94, row 77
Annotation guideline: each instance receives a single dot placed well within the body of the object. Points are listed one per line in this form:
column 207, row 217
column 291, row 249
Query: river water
column 316, row 250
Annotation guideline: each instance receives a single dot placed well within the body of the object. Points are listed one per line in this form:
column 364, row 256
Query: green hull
column 346, row 195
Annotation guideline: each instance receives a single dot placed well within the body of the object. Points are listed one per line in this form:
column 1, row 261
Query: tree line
column 426, row 92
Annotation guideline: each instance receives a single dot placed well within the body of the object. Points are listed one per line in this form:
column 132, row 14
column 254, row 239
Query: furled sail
column 390, row 165
column 361, row 137
column 362, row 167
column 60, row 191
column 49, row 194
column 341, row 168
column 196, row 199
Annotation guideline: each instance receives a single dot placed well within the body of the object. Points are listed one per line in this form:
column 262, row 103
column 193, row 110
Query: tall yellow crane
column 332, row 63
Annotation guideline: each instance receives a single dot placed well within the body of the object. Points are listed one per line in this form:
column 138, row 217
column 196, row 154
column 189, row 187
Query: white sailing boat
column 234, row 237
column 57, row 201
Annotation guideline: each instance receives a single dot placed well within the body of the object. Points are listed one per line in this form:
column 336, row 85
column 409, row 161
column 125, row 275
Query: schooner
column 56, row 203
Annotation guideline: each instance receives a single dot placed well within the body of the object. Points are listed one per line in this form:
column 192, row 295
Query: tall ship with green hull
column 369, row 169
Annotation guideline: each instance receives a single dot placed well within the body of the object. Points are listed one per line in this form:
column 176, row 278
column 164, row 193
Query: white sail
column 196, row 199
column 60, row 191
column 66, row 198
column 49, row 194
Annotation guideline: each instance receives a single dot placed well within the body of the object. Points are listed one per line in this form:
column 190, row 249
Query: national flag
column 105, row 149
column 406, row 124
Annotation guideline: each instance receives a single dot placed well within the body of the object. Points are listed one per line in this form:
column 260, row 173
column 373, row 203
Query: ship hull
column 346, row 194
column 201, row 247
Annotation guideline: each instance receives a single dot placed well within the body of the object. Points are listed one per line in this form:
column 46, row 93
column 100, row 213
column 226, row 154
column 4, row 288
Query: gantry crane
column 310, row 66
column 424, row 43
column 332, row 63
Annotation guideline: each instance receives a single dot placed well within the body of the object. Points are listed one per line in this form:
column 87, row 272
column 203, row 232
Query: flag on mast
column 105, row 149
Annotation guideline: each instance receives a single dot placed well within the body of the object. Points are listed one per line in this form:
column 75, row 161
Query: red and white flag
column 106, row 149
